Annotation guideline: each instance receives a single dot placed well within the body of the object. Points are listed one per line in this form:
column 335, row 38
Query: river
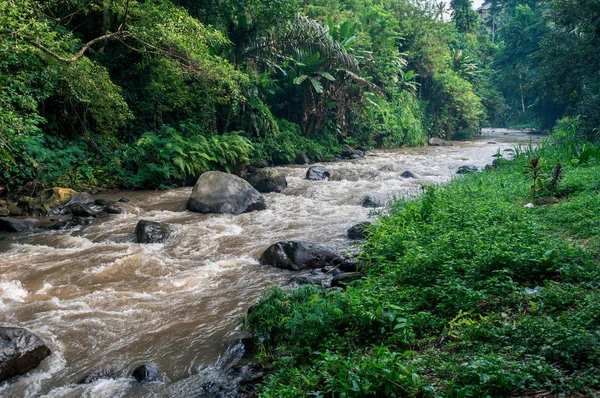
column 99, row 300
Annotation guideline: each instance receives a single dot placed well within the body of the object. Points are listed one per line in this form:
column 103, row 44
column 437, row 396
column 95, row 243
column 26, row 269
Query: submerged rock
column 318, row 173
column 409, row 174
column 9, row 224
column 297, row 255
column 218, row 192
column 267, row 180
column 20, row 352
column 358, row 231
column 372, row 201
column 151, row 232
column 146, row 373
column 99, row 374
column 435, row 141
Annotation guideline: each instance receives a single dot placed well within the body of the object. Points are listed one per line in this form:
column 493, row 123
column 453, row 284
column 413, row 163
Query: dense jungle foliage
column 469, row 292
column 108, row 93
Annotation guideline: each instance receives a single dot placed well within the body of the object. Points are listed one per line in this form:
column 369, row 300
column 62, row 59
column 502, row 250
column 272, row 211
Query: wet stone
column 318, row 173
column 146, row 373
column 20, row 352
column 151, row 232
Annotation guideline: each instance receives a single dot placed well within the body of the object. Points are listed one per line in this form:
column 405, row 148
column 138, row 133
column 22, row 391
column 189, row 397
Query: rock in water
column 466, row 169
column 151, row 232
column 435, row 141
column 8, row 224
column 20, row 351
column 82, row 210
column 297, row 255
column 408, row 174
column 358, row 231
column 317, row 173
column 217, row 192
column 99, row 374
column 267, row 180
column 146, row 373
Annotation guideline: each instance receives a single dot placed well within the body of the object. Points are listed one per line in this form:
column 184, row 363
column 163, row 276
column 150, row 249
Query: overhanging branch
column 83, row 49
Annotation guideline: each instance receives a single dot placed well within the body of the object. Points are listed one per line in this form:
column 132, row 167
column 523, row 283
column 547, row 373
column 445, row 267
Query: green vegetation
column 469, row 293
column 125, row 93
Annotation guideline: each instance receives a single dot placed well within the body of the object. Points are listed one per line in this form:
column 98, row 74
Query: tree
column 463, row 15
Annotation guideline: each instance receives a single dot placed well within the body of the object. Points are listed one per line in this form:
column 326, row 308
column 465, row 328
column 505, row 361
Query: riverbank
column 99, row 299
column 472, row 290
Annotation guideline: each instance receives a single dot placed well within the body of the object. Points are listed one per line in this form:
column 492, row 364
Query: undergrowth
column 469, row 293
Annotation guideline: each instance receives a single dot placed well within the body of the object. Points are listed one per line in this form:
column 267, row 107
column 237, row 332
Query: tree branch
column 83, row 49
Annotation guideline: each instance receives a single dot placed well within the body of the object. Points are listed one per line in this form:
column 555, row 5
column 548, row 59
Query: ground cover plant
column 470, row 293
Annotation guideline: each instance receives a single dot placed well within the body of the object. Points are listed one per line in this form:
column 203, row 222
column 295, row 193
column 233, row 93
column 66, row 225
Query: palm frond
column 299, row 39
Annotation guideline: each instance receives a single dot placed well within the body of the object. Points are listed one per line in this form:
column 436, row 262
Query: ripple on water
column 102, row 300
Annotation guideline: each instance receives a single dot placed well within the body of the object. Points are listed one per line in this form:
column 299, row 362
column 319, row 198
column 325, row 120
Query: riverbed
column 100, row 300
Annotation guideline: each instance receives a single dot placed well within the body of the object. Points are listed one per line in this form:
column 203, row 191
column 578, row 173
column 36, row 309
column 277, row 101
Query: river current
column 99, row 300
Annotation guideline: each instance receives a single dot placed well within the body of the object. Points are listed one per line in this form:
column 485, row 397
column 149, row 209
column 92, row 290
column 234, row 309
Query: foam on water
column 103, row 301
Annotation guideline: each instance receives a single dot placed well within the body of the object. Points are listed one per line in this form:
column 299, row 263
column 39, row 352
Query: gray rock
column 466, row 169
column 267, row 180
column 408, row 174
column 318, row 173
column 297, row 255
column 151, row 232
column 82, row 210
column 217, row 192
column 146, row 373
column 9, row 224
column 371, row 201
column 20, row 351
column 345, row 278
column 492, row 142
column 111, row 209
column 84, row 198
column 313, row 277
column 123, row 200
column 346, row 264
column 435, row 141
column 358, row 231
column 354, row 156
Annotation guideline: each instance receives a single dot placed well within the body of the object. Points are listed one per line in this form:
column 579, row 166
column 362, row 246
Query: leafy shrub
column 170, row 156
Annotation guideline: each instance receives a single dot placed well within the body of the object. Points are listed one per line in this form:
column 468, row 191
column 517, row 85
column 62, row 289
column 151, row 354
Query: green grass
column 468, row 294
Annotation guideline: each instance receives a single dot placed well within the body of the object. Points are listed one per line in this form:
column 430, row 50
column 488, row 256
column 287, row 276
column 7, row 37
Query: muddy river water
column 99, row 300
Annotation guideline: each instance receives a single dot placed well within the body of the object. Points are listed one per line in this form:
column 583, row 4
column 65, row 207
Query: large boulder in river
column 20, row 351
column 151, row 232
column 217, row 192
column 318, row 173
column 435, row 141
column 297, row 255
column 267, row 180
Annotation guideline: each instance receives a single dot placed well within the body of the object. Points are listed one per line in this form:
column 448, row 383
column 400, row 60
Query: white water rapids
column 99, row 300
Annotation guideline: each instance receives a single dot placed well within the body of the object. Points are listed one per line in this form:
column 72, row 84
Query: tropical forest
column 300, row 198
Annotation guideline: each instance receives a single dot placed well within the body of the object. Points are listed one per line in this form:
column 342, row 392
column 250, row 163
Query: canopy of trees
column 99, row 93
